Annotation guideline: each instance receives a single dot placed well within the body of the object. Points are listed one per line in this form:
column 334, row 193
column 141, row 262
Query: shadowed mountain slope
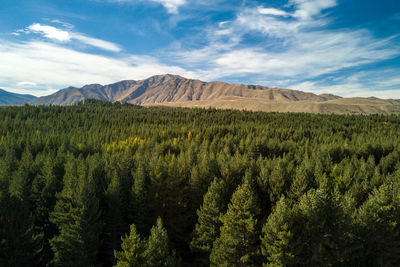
column 8, row 98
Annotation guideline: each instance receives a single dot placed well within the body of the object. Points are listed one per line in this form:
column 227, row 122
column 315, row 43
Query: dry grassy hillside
column 337, row 106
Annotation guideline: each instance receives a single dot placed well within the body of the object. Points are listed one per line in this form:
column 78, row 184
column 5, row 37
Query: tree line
column 110, row 184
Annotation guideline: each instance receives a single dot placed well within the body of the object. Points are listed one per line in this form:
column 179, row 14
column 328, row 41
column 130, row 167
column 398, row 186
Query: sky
column 344, row 47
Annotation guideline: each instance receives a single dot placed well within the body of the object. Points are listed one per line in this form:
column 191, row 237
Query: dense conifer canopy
column 105, row 184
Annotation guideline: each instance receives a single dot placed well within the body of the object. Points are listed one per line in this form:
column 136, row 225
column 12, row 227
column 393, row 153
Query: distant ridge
column 172, row 88
column 8, row 98
column 175, row 91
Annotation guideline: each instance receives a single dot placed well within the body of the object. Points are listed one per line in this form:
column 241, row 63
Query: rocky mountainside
column 176, row 91
column 172, row 88
column 8, row 98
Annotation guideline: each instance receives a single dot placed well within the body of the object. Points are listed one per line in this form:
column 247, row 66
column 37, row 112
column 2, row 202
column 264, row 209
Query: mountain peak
column 94, row 86
column 164, row 77
column 172, row 88
column 175, row 90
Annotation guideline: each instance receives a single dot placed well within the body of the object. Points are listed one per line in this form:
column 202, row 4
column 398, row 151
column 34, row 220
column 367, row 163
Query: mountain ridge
column 177, row 91
column 9, row 98
column 172, row 88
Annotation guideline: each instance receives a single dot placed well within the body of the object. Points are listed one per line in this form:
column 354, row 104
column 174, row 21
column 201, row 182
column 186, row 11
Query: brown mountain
column 173, row 90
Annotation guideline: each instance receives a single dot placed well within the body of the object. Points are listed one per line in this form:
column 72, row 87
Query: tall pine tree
column 238, row 244
column 76, row 215
column 208, row 225
column 277, row 242
column 114, row 220
column 18, row 242
column 317, row 231
column 139, row 206
column 158, row 252
column 378, row 221
column 131, row 254
column 153, row 252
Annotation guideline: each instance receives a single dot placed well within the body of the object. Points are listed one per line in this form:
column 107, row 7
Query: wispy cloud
column 61, row 35
column 307, row 9
column 273, row 11
column 50, row 32
column 292, row 46
column 63, row 23
column 26, row 84
column 296, row 46
column 105, row 45
column 383, row 83
column 347, row 90
column 53, row 67
column 171, row 5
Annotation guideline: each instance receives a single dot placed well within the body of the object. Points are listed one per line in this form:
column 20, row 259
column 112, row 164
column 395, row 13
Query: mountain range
column 8, row 98
column 172, row 88
column 176, row 91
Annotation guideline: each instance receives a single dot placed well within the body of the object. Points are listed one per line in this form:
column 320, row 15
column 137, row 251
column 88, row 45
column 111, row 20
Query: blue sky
column 344, row 47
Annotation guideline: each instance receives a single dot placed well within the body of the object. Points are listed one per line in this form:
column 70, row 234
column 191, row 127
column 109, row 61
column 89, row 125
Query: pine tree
column 158, row 253
column 378, row 221
column 153, row 252
column 44, row 189
column 19, row 230
column 238, row 243
column 201, row 177
column 18, row 242
column 132, row 250
column 114, row 220
column 278, row 245
column 208, row 226
column 303, row 181
column 140, row 207
column 21, row 184
column 76, row 215
column 314, row 232
column 278, row 180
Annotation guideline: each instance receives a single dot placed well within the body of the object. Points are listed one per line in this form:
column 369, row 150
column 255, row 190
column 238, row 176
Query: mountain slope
column 172, row 88
column 8, row 98
column 176, row 91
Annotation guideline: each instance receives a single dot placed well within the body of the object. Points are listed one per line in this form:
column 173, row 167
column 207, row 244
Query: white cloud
column 55, row 67
column 347, row 90
column 96, row 42
column 307, row 55
column 59, row 35
column 379, row 83
column 50, row 32
column 63, row 23
column 27, row 84
column 295, row 48
column 309, row 8
column 273, row 11
column 172, row 6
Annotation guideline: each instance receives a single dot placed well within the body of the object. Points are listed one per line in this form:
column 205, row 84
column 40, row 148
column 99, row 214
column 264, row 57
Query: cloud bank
column 49, row 67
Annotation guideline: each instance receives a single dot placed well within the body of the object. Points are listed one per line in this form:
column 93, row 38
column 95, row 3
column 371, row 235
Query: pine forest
column 111, row 184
